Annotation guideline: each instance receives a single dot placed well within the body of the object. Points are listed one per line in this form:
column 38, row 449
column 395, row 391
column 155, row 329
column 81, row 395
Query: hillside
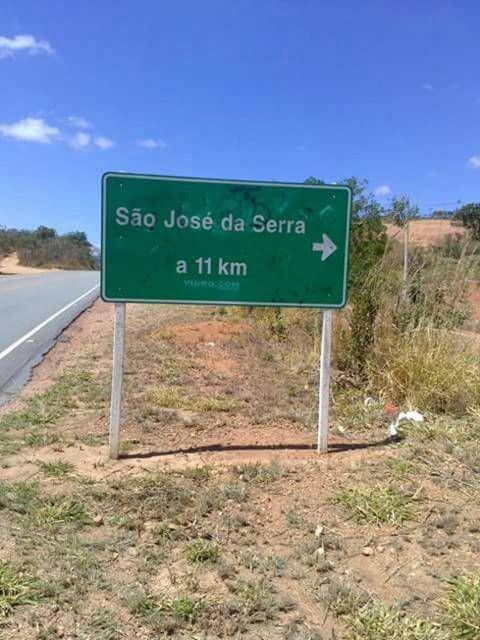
column 426, row 233
column 45, row 248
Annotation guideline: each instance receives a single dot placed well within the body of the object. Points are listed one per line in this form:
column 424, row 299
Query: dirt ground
column 220, row 519
column 9, row 266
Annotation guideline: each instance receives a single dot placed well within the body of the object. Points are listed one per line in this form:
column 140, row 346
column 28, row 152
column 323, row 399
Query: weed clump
column 377, row 621
column 15, row 589
column 202, row 551
column 59, row 512
column 166, row 615
column 56, row 469
column 377, row 505
column 462, row 606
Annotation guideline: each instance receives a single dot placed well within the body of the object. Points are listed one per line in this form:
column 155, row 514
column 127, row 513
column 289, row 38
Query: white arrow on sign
column 327, row 247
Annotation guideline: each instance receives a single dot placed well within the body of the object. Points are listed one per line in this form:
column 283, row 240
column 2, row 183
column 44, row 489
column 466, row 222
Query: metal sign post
column 324, row 387
column 117, row 378
column 202, row 241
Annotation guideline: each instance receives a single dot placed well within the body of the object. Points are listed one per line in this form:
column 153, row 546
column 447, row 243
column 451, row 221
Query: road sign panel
column 188, row 240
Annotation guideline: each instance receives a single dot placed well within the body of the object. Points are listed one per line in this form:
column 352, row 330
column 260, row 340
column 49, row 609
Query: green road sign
column 185, row 240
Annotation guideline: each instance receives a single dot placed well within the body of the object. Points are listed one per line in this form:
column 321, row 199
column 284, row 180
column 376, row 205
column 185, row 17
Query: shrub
column 469, row 214
column 427, row 368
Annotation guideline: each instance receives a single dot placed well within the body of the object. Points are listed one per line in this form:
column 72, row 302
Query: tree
column 45, row 233
column 368, row 242
column 469, row 214
column 441, row 214
column 77, row 237
column 402, row 212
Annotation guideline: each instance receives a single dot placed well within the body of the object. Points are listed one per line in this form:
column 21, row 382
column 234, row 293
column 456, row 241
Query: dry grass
column 428, row 369
column 173, row 397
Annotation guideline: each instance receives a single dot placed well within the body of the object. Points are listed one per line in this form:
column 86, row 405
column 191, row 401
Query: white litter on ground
column 404, row 416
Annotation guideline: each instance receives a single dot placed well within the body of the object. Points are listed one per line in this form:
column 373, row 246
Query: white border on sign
column 338, row 187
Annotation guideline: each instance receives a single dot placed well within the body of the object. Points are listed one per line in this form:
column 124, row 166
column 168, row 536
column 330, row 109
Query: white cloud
column 382, row 191
column 37, row 130
column 150, row 143
column 474, row 162
column 24, row 43
column 427, row 87
column 104, row 143
column 31, row 130
column 80, row 140
column 79, row 122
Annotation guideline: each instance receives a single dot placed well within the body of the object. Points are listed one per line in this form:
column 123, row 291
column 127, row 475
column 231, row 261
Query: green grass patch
column 70, row 389
column 92, row 440
column 378, row 505
column 377, row 621
column 38, row 439
column 201, row 551
column 462, row 606
column 400, row 468
column 56, row 469
column 182, row 608
column 25, row 499
column 257, row 602
column 15, row 589
column 58, row 512
column 166, row 615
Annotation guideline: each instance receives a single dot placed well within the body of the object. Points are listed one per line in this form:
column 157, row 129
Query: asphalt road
column 34, row 310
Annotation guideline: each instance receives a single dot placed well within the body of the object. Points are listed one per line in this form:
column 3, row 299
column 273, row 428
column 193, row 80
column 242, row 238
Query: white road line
column 28, row 335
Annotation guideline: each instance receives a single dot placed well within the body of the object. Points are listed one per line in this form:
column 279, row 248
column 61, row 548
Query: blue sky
column 246, row 89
